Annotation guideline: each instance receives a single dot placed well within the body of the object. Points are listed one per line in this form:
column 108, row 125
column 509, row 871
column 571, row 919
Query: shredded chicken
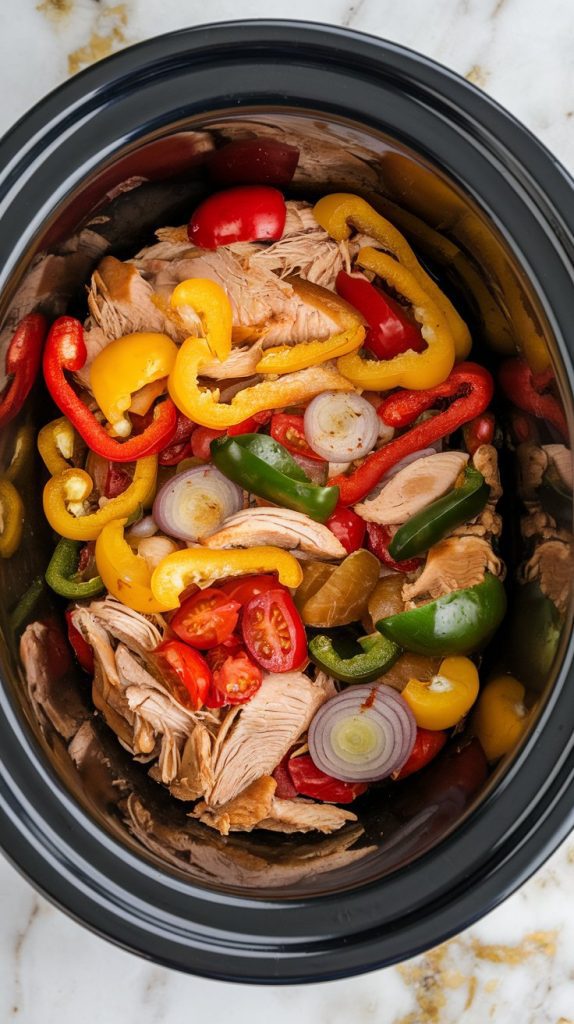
column 280, row 527
column 485, row 460
column 487, row 523
column 560, row 457
column 532, row 465
column 453, row 564
column 49, row 689
column 552, row 565
column 413, row 487
column 139, row 632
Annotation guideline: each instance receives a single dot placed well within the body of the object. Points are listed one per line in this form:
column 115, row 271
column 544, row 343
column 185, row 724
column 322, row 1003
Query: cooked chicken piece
column 560, row 457
column 139, row 632
column 453, row 564
column 410, row 666
column 532, row 465
column 280, row 527
column 309, row 253
column 194, row 777
column 537, row 522
column 301, row 815
column 487, row 524
column 552, row 565
column 413, row 487
column 46, row 677
column 261, row 732
column 485, row 460
column 241, row 362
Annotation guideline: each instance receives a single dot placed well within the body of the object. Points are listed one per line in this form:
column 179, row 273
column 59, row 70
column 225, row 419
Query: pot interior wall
column 156, row 183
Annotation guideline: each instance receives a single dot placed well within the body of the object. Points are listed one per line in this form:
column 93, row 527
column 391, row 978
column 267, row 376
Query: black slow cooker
column 96, row 167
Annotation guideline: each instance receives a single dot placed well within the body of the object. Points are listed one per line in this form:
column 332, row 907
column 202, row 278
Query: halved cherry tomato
column 428, row 744
column 251, row 424
column 201, row 440
column 206, row 619
column 273, row 631
column 80, row 647
column 189, row 672
column 311, row 781
column 243, row 588
column 289, row 430
column 238, row 678
column 379, row 539
column 479, row 431
column 348, row 527
column 254, row 162
column 248, row 213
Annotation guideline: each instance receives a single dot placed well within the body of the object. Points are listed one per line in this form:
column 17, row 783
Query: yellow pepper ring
column 124, row 573
column 213, row 308
column 442, row 701
column 410, row 369
column 500, row 717
column 56, row 445
column 203, row 567
column 74, row 485
column 123, row 367
column 288, row 358
column 11, row 518
column 335, row 213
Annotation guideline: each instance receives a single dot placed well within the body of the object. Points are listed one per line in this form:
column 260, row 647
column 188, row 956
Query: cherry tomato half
column 479, row 431
column 237, row 678
column 273, row 631
column 311, row 781
column 248, row 213
column 206, row 619
column 428, row 744
column 243, row 588
column 289, row 430
column 189, row 672
column 201, row 440
column 379, row 539
column 80, row 647
column 348, row 527
column 254, row 162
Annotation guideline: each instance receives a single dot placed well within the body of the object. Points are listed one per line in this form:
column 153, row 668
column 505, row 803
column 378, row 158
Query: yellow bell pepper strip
column 202, row 567
column 23, row 446
column 444, row 699
column 124, row 367
column 11, row 518
column 124, row 573
column 500, row 718
column 413, row 370
column 340, row 211
column 288, row 358
column 203, row 406
column 73, row 486
column 56, row 445
column 213, row 308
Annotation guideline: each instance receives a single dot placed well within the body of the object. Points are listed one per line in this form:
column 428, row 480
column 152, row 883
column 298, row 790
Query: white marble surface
column 517, row 964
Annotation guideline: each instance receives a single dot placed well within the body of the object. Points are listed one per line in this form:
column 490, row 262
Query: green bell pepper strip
column 27, row 603
column 534, row 635
column 442, row 516
column 457, row 623
column 264, row 467
column 376, row 658
column 61, row 574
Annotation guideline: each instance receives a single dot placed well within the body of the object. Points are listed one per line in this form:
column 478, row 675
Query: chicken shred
column 552, row 565
column 280, row 527
column 413, row 488
column 453, row 564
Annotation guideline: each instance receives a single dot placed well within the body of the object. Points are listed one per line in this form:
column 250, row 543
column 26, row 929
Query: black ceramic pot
column 366, row 116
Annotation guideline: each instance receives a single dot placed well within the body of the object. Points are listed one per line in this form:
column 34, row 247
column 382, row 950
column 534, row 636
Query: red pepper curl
column 529, row 392
column 23, row 359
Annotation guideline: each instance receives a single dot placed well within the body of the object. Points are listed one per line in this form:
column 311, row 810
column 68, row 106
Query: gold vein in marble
column 107, row 36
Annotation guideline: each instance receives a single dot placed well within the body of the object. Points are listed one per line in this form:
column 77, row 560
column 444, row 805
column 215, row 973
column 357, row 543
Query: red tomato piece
column 201, row 440
column 289, row 430
column 254, row 162
column 244, row 588
column 81, row 648
column 206, row 619
column 311, row 781
column 273, row 631
column 479, row 431
column 117, row 480
column 189, row 672
column 251, row 424
column 390, row 331
column 248, row 213
column 238, row 678
column 428, row 744
column 379, row 539
column 348, row 527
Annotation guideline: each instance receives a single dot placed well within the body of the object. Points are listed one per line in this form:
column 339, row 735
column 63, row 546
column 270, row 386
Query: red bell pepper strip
column 390, row 329
column 203, row 436
column 66, row 350
column 80, row 647
column 249, row 213
column 469, row 385
column 379, row 539
column 348, row 528
column 254, row 162
column 530, row 393
column 23, row 359
column 428, row 744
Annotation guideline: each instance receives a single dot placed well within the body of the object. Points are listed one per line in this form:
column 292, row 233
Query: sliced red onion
column 316, row 471
column 364, row 734
column 408, row 459
column 193, row 504
column 146, row 527
column 341, row 426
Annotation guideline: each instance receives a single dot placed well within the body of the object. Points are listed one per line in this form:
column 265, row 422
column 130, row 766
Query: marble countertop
column 518, row 962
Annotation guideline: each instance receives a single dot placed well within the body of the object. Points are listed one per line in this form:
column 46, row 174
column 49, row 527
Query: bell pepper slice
column 441, row 517
column 125, row 574
column 441, row 702
column 11, row 518
column 469, row 385
column 247, row 213
column 125, row 366
column 529, row 392
column 288, row 358
column 410, row 369
column 22, row 362
column 500, row 718
column 374, row 659
column 264, row 467
column 26, row 606
column 457, row 623
column 203, row 567
column 21, row 455
column 340, row 211
column 62, row 573
column 210, row 302
column 390, row 330
column 536, row 628
column 66, row 351
column 203, row 406
column 428, row 744
column 75, row 485
column 56, row 442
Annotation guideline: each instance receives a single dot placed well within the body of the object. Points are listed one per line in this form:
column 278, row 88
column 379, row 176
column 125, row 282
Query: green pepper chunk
column 534, row 635
column 441, row 517
column 62, row 573
column 264, row 467
column 376, row 657
column 457, row 623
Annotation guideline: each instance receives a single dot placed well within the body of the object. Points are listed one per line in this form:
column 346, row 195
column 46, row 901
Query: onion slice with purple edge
column 341, row 426
column 193, row 504
column 422, row 453
column 364, row 734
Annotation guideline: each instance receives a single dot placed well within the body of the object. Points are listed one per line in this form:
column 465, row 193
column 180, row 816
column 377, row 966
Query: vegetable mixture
column 273, row 482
